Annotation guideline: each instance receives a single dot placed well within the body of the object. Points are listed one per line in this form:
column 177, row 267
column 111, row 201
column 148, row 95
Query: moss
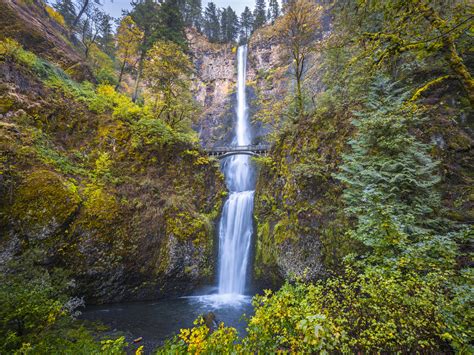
column 189, row 226
column 459, row 142
column 100, row 207
column 6, row 103
column 49, row 155
column 43, row 198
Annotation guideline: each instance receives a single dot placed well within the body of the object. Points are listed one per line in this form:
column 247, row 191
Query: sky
column 115, row 7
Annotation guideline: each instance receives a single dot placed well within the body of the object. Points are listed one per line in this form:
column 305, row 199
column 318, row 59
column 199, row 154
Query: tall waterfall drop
column 235, row 230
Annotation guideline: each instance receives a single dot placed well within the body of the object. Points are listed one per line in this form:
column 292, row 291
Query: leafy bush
column 121, row 106
column 378, row 310
column 12, row 50
column 37, row 316
column 200, row 340
column 103, row 66
column 151, row 132
column 56, row 16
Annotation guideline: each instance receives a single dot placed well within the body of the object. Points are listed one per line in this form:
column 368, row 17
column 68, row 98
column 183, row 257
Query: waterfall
column 235, row 229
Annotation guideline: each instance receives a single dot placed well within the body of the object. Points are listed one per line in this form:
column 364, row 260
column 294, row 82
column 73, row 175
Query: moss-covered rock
column 43, row 203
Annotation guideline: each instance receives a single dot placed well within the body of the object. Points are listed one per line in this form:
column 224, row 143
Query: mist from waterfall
column 235, row 229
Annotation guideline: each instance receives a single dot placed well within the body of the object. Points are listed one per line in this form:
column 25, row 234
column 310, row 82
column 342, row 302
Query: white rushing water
column 235, row 230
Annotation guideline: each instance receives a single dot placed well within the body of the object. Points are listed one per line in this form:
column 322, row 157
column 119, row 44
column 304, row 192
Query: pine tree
column 145, row 15
column 223, row 21
column 273, row 10
column 67, row 10
column 211, row 23
column 246, row 24
column 259, row 13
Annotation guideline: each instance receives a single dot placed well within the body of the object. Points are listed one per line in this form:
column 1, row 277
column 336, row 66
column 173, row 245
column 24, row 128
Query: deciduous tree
column 92, row 27
column 422, row 28
column 167, row 70
column 297, row 30
column 129, row 39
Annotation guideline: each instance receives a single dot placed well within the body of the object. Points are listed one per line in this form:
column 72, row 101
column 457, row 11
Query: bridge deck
column 258, row 149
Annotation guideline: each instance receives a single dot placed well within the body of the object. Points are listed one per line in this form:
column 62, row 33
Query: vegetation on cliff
column 365, row 202
column 101, row 198
column 362, row 208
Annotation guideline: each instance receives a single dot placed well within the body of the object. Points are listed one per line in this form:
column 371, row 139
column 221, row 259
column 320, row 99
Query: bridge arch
column 228, row 154
column 227, row 151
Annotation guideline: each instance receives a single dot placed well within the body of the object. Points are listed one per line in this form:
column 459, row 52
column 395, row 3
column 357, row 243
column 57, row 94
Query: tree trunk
column 452, row 56
column 458, row 66
column 135, row 92
column 79, row 15
column 120, row 76
column 87, row 51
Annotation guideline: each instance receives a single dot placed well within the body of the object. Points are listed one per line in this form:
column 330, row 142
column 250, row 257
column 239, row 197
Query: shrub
column 103, row 66
column 56, row 16
column 200, row 340
column 12, row 50
column 37, row 315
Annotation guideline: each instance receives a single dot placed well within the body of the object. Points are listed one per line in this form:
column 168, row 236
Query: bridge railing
column 239, row 148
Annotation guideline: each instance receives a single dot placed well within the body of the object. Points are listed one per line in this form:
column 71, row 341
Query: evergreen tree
column 67, row 10
column 171, row 25
column 191, row 11
column 246, row 24
column 259, row 13
column 273, row 10
column 211, row 23
column 106, row 40
column 223, row 23
column 229, row 25
column 390, row 177
column 144, row 14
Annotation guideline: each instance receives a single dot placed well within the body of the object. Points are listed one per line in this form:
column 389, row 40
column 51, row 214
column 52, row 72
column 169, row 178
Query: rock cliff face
column 28, row 23
column 268, row 83
column 267, row 80
column 214, row 87
column 215, row 83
